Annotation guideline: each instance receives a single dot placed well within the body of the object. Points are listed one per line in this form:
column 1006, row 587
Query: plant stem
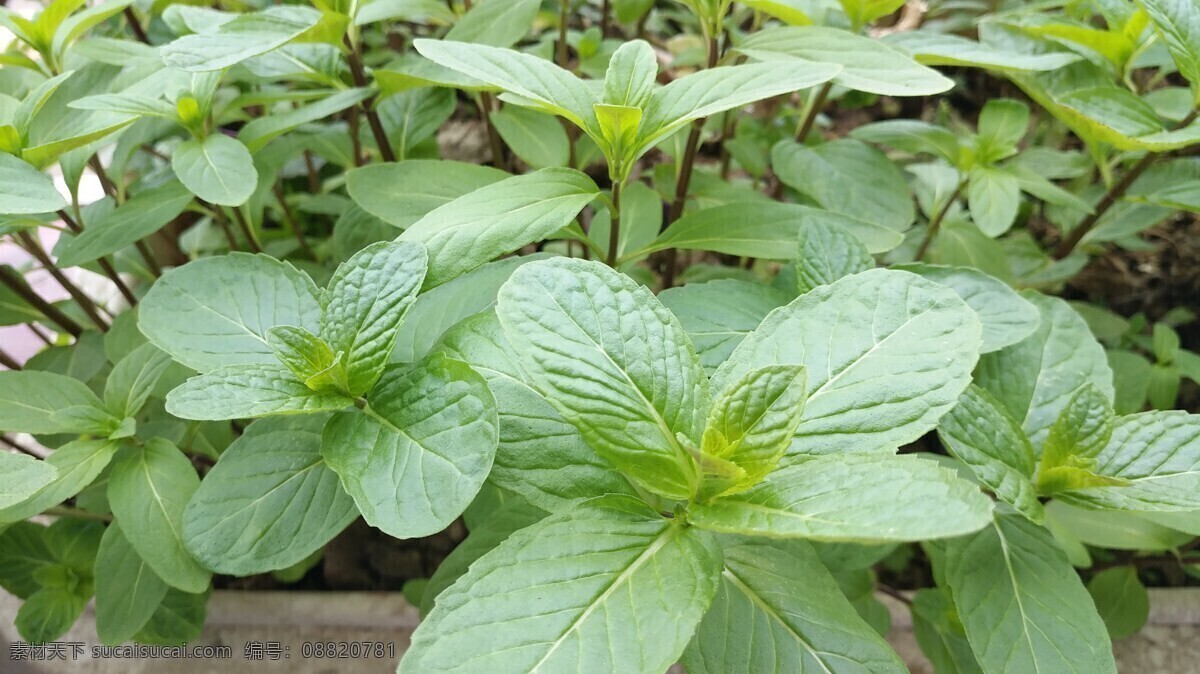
column 148, row 255
column 64, row 511
column 10, row 278
column 614, row 227
column 812, row 109
column 355, row 140
column 605, row 18
column 893, row 593
column 291, row 220
column 19, row 447
column 8, row 361
column 104, row 262
column 35, row 249
column 496, row 144
column 247, row 231
column 935, row 222
column 110, row 188
column 39, row 334
column 136, row 27
column 564, row 17
column 1112, row 196
column 360, row 80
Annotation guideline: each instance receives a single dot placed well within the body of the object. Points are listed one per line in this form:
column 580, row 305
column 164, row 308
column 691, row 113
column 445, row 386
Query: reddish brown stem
column 13, row 281
column 35, row 249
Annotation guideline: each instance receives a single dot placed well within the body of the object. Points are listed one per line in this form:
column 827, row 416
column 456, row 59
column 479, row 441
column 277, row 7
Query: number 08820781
column 348, row 649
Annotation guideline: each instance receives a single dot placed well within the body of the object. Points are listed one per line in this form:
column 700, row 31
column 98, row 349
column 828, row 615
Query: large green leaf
column 133, row 380
column 614, row 362
column 718, row 315
column 499, row 24
column 262, row 130
column 77, row 465
column 499, row 219
column 827, row 253
column 933, row 48
column 1177, row 23
column 218, row 169
column 540, row 456
column 537, row 138
column 365, row 302
column 216, row 311
column 415, row 457
column 136, row 219
column 1007, row 318
column 250, row 390
column 243, row 37
column 1035, row 378
column 847, row 176
column 1023, row 606
column 1120, row 118
column 779, row 610
column 982, row 434
column 1158, row 453
column 21, row 476
column 568, row 594
column 887, row 353
column 858, row 498
column 30, row 399
column 269, row 502
column 402, row 193
column 147, row 490
column 940, row 633
column 127, row 589
column 24, row 189
column 867, row 65
column 1121, row 600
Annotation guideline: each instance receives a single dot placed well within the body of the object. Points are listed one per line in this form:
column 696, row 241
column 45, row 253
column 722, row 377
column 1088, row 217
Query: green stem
column 292, row 223
column 247, row 230
column 614, row 227
column 359, row 75
column 811, row 109
column 64, row 511
column 935, row 222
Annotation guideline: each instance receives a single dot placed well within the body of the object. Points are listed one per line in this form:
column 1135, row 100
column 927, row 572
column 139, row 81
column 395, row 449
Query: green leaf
column 499, row 219
column 1117, row 116
column 862, row 12
column 21, row 476
column 29, row 400
column 218, row 169
column 1082, row 429
column 539, row 456
column 129, row 104
column 1121, row 600
column 178, row 620
column 365, row 302
column 498, row 24
column 269, row 502
column 136, row 219
column 778, row 609
column 1035, row 378
column 827, row 253
column 1002, row 125
column 147, row 490
column 77, row 464
column 262, row 130
column 413, row 116
column 765, row 229
column 1158, row 453
column 887, row 353
column 520, row 608
column 305, row 354
column 980, row 433
column 631, row 76
column 935, row 48
column 537, row 138
column 48, row 613
column 614, row 362
column 940, row 633
column 1165, row 342
column 1023, row 606
column 539, row 83
column 133, row 380
column 911, row 136
column 1007, row 318
column 849, row 177
column 994, row 197
column 74, row 26
column 1177, row 23
column 402, row 193
column 752, row 421
column 216, row 311
column 14, row 310
column 1115, row 530
column 243, row 37
column 127, row 589
column 859, row 498
column 867, row 65
column 24, row 189
column 417, row 455
column 251, row 390
column 718, row 315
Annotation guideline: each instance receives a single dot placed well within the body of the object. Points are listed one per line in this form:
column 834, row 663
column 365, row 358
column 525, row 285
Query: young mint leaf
column 859, row 498
column 778, row 596
column 1007, row 318
column 133, row 380
column 1035, row 378
column 752, row 421
column 1023, row 606
column 147, row 490
column 245, row 391
column 402, row 193
column 539, row 456
column 365, row 302
column 88, row 419
column 887, row 354
column 614, row 362
column 21, row 476
column 631, row 76
column 1178, row 25
column 269, row 502
column 984, row 436
column 300, row 351
column 31, row 402
column 415, row 457
column 499, row 219
column 127, row 589
column 827, row 253
column 218, row 169
column 25, row 190
column 1002, row 124
column 863, row 12
column 520, row 609
column 1082, row 429
column 77, row 465
column 216, row 311
column 1165, row 342
column 994, row 197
